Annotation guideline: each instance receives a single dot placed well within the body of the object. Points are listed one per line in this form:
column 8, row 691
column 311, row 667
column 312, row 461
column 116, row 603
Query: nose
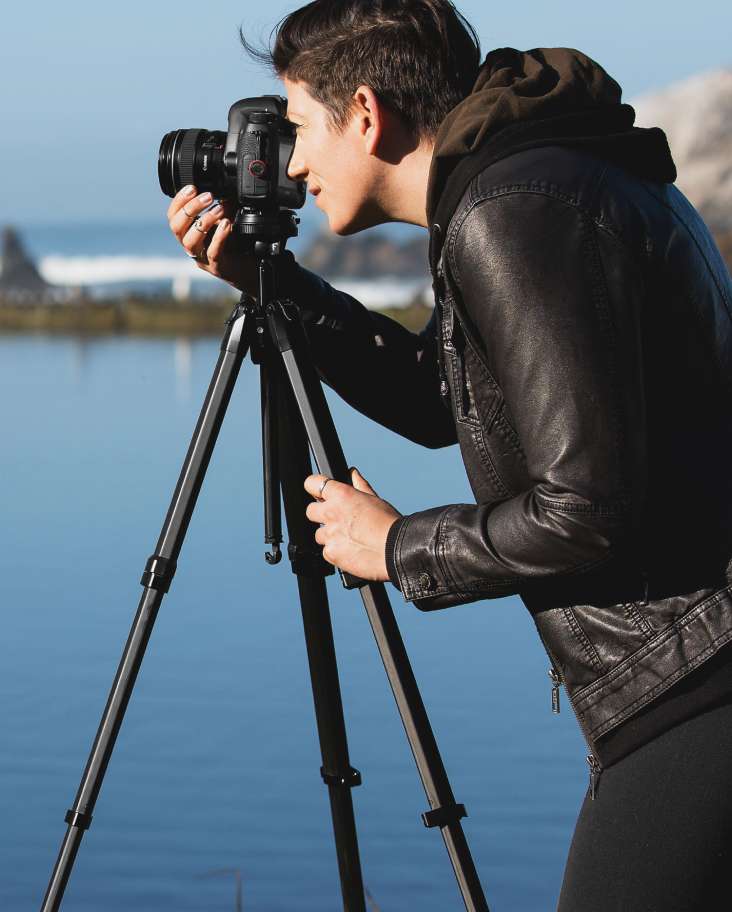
column 297, row 169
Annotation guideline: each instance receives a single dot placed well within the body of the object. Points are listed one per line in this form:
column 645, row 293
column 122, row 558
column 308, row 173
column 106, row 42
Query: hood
column 546, row 96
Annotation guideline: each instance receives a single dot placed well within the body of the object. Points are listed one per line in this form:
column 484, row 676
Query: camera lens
column 192, row 157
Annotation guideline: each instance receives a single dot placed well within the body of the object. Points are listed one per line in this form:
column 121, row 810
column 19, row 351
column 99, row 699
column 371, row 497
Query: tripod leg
column 311, row 569
column 156, row 579
column 445, row 813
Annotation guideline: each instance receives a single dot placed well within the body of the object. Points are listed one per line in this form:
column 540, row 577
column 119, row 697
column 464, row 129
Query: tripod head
column 264, row 233
column 256, row 227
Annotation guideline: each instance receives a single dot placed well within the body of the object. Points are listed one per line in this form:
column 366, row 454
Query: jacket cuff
column 389, row 555
column 412, row 547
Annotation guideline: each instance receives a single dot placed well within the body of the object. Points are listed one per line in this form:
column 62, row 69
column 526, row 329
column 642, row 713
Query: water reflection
column 79, row 351
column 183, row 360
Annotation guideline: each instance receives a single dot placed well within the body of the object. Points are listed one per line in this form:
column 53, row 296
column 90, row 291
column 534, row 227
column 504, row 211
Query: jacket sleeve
column 374, row 363
column 535, row 276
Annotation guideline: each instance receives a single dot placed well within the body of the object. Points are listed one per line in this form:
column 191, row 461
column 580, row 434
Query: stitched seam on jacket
column 591, row 690
column 408, row 588
column 640, row 621
column 502, row 424
column 562, row 506
column 583, row 639
column 622, row 714
column 487, row 460
column 440, row 552
column 495, row 193
column 403, row 578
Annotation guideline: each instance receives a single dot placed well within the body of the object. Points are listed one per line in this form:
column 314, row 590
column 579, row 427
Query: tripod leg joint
column 78, row 819
column 443, row 816
column 308, row 561
column 350, row 780
column 159, row 573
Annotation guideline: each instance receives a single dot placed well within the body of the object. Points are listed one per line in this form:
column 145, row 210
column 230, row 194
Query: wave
column 180, row 272
column 381, row 293
column 101, row 270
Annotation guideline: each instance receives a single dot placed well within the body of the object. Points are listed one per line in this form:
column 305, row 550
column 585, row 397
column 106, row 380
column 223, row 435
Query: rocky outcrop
column 19, row 278
column 697, row 117
column 373, row 255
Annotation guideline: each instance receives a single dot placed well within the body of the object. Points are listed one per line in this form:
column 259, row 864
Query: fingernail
column 205, row 198
column 225, row 224
column 189, row 190
column 215, row 210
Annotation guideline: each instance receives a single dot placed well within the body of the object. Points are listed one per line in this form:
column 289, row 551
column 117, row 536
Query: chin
column 359, row 221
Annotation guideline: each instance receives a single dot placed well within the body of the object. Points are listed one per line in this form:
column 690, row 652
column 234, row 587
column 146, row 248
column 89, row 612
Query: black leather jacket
column 583, row 336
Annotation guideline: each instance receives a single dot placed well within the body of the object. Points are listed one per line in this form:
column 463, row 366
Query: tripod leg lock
column 308, row 561
column 159, row 573
column 78, row 819
column 350, row 780
column 442, row 816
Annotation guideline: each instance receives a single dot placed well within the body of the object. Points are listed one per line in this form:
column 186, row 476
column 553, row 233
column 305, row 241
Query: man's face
column 336, row 166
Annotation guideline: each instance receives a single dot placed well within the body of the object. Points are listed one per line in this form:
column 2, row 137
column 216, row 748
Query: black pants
column 658, row 836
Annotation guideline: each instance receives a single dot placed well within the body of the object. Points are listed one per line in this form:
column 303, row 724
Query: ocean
column 216, row 771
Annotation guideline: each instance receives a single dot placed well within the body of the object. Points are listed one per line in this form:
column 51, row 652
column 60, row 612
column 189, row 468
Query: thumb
column 360, row 483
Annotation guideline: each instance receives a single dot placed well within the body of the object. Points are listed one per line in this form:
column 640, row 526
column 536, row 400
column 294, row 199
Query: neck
column 404, row 193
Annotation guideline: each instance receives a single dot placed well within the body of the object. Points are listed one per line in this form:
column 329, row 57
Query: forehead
column 300, row 101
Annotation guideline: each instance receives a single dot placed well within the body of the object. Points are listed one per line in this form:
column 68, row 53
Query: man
column 580, row 354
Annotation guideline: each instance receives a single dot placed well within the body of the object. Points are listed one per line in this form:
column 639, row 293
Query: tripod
column 296, row 420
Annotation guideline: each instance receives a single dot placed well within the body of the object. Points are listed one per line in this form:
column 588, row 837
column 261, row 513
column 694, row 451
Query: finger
column 328, row 555
column 188, row 212
column 216, row 245
column 320, row 535
column 313, row 484
column 314, row 512
column 199, row 235
column 180, row 199
column 360, row 483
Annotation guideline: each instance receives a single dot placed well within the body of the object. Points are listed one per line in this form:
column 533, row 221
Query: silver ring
column 320, row 490
column 197, row 226
column 188, row 213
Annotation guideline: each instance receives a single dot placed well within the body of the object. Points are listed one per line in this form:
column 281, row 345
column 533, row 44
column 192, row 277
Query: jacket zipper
column 595, row 770
column 592, row 761
column 556, row 684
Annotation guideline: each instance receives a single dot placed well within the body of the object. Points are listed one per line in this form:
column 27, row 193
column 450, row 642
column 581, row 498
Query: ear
column 369, row 117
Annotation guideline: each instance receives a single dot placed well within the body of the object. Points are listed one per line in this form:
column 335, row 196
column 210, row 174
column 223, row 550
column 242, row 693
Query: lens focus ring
column 187, row 157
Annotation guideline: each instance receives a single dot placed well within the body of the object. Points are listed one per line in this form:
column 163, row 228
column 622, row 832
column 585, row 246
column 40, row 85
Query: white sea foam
column 98, row 271
column 102, row 270
column 385, row 292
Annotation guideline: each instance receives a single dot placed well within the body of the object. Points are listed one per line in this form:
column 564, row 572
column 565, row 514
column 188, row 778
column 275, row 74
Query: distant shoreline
column 146, row 316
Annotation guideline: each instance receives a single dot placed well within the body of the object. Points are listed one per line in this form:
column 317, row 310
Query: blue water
column 153, row 238
column 217, row 762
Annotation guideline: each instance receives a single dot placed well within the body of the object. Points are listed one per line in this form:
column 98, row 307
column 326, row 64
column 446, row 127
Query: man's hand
column 354, row 524
column 205, row 234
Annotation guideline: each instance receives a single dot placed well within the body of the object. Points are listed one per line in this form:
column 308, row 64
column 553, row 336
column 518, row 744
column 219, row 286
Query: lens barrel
column 192, row 157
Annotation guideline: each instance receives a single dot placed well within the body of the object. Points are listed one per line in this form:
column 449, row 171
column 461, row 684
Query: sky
column 89, row 88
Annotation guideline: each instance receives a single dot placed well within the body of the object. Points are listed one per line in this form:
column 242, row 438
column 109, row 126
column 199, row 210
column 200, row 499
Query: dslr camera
column 246, row 165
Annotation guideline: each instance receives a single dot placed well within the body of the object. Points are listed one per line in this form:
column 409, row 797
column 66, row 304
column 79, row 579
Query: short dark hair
column 420, row 57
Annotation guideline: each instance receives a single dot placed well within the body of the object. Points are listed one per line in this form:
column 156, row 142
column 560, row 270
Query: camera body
column 246, row 165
